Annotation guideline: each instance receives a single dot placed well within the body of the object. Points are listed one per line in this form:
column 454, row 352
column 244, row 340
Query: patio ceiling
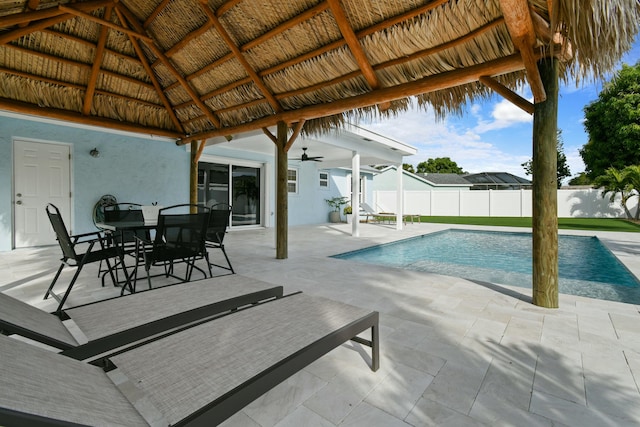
column 194, row 70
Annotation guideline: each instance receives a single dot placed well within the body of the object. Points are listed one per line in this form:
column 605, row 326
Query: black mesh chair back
column 180, row 236
column 216, row 230
column 97, row 250
column 60, row 229
column 126, row 212
column 218, row 222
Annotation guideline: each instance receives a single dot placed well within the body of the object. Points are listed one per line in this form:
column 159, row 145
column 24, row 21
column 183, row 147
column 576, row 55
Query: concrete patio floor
column 453, row 352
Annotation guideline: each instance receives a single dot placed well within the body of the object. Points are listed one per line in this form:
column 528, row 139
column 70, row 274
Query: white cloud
column 460, row 142
column 504, row 115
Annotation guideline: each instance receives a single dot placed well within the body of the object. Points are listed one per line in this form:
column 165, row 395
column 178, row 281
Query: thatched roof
column 208, row 68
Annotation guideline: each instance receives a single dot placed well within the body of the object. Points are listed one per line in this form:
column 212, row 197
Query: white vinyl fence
column 579, row 203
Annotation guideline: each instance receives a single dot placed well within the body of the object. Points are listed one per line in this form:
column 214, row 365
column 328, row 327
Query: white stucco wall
column 134, row 169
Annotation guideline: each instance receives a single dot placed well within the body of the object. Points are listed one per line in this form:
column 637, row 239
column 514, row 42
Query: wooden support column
column 282, row 194
column 545, row 190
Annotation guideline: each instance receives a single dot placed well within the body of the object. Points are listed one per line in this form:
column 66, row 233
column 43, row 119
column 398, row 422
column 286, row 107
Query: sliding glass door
column 236, row 185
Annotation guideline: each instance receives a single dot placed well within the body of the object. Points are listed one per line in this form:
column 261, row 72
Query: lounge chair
column 198, row 376
column 368, row 211
column 91, row 329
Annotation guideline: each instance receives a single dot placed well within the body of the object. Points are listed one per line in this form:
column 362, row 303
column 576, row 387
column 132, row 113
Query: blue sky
column 495, row 135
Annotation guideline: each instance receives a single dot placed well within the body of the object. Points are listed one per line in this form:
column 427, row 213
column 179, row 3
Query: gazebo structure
column 197, row 69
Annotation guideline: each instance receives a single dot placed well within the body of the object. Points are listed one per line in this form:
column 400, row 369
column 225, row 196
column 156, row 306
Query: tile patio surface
column 453, row 352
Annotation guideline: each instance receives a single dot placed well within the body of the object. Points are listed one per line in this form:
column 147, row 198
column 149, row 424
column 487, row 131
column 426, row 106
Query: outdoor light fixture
column 94, row 153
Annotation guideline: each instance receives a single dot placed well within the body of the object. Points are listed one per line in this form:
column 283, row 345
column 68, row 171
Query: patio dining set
column 187, row 353
column 164, row 237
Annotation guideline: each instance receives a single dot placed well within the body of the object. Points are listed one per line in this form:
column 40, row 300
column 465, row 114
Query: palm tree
column 615, row 181
column 632, row 177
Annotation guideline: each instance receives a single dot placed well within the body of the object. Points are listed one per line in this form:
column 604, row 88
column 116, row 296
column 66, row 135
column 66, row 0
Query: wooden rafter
column 183, row 82
column 76, row 86
column 187, row 39
column 354, row 44
column 88, row 16
column 36, row 26
column 429, row 84
column 31, row 6
column 27, row 17
column 152, row 76
column 296, row 132
column 360, row 34
column 155, row 13
column 81, row 65
column 240, row 57
column 517, row 16
column 97, row 62
column 354, row 74
column 507, row 93
column 287, row 25
column 320, row 7
column 226, row 6
column 52, row 113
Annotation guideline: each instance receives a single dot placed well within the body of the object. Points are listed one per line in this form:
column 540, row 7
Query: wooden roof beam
column 130, row 17
column 507, row 93
column 27, row 17
column 78, row 64
column 240, row 57
column 356, row 49
column 105, row 23
column 517, row 16
column 429, row 84
column 399, row 61
column 31, row 6
column 53, row 113
column 562, row 48
column 36, row 26
column 75, row 86
column 296, row 132
column 155, row 13
column 97, row 62
column 152, row 77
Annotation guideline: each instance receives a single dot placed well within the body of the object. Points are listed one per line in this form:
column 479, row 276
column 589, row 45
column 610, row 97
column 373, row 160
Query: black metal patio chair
column 97, row 250
column 180, row 237
column 127, row 238
column 216, row 230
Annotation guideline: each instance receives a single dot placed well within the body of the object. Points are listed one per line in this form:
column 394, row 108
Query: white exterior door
column 42, row 175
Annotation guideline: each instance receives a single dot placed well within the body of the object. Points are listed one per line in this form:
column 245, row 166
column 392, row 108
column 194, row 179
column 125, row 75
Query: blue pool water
column 585, row 266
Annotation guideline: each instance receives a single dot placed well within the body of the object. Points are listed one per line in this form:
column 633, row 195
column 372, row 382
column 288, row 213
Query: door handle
column 19, row 202
column 19, row 195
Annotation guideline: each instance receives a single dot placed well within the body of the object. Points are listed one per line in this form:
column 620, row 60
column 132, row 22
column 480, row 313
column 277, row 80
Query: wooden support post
column 193, row 175
column 545, row 190
column 282, row 194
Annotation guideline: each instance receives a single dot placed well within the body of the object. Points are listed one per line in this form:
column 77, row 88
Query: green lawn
column 596, row 224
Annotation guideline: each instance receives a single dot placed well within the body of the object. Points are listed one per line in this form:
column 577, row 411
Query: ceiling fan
column 305, row 157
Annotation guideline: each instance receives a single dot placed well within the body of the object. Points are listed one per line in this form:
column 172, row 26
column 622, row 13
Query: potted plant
column 347, row 213
column 335, row 203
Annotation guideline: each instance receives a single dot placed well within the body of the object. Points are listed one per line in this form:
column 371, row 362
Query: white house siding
column 582, row 203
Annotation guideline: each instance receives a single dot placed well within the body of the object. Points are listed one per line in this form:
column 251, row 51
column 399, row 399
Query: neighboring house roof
column 444, row 178
column 497, row 180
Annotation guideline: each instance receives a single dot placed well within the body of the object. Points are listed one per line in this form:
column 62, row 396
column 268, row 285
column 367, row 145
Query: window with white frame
column 292, row 181
column 324, row 180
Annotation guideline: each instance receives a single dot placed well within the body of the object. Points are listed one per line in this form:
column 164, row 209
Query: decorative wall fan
column 305, row 157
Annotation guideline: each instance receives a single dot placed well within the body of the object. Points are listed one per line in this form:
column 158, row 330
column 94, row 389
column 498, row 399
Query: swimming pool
column 585, row 266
